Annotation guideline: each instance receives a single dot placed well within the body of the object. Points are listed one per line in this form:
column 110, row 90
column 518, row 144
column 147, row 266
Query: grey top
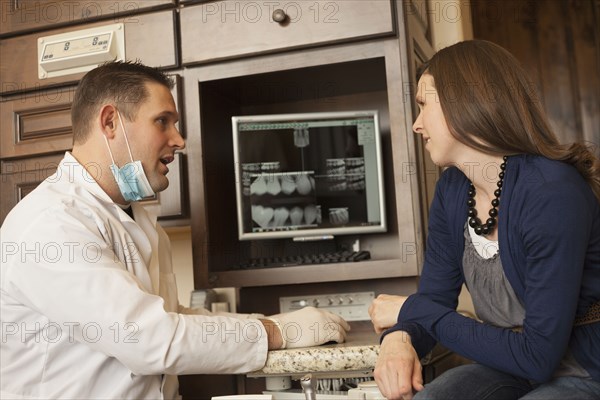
column 495, row 301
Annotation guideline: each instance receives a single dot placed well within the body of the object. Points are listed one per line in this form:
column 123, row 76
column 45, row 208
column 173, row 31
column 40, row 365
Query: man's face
column 153, row 137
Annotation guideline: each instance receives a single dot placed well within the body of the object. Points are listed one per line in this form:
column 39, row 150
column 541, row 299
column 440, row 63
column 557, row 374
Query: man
column 88, row 298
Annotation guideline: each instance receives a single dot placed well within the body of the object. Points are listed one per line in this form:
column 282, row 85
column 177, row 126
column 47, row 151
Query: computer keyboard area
column 306, row 259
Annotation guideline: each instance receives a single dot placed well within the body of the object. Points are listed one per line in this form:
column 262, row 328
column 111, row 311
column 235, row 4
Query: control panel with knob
column 351, row 306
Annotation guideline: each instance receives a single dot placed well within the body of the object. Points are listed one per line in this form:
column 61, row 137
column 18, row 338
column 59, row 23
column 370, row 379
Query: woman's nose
column 417, row 125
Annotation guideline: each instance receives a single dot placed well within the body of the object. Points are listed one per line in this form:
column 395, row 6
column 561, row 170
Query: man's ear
column 109, row 120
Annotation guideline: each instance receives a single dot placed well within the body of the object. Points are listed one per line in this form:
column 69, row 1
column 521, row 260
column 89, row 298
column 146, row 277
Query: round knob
column 279, row 16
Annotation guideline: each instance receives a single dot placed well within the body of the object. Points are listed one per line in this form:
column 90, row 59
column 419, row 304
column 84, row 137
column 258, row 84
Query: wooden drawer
column 151, row 38
column 225, row 29
column 36, row 124
column 19, row 16
column 19, row 178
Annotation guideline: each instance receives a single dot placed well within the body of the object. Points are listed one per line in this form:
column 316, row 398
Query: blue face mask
column 131, row 179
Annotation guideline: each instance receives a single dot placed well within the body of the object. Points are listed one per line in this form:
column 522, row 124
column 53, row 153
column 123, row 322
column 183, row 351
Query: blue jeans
column 478, row 382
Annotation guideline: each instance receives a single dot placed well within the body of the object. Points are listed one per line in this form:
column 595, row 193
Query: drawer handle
column 280, row 16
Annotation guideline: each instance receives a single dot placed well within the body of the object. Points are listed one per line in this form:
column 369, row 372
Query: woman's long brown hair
column 489, row 104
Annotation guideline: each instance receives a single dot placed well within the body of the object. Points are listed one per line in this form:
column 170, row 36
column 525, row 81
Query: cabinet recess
column 345, row 78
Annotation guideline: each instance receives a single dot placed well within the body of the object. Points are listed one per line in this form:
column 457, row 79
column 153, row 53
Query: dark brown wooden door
column 558, row 43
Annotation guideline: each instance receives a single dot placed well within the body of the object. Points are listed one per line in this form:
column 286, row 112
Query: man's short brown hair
column 122, row 84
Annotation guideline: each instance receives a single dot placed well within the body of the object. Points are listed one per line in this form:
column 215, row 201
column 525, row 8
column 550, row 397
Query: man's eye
column 162, row 121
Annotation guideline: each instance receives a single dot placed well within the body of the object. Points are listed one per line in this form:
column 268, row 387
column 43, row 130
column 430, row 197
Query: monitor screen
column 308, row 176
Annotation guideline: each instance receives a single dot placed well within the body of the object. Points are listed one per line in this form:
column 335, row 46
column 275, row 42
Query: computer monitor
column 308, row 176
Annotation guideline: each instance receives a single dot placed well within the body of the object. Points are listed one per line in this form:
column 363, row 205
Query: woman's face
column 443, row 148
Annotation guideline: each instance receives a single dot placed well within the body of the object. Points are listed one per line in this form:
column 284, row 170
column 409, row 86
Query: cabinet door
column 18, row 178
column 150, row 38
column 27, row 15
column 225, row 29
column 36, row 124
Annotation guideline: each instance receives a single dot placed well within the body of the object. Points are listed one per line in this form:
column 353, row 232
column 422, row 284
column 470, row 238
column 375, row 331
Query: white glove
column 310, row 327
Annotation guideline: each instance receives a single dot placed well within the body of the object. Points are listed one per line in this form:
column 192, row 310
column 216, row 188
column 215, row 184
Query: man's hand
column 398, row 369
column 309, row 326
column 384, row 311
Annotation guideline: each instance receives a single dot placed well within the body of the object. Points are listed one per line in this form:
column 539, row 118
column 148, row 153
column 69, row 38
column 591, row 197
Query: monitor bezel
column 317, row 233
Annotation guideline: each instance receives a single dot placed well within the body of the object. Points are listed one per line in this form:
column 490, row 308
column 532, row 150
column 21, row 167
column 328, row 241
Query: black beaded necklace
column 474, row 221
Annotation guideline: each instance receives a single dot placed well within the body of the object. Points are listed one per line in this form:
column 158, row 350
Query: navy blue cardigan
column 549, row 239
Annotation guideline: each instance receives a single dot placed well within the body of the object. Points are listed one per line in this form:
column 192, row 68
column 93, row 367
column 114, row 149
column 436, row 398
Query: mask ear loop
column 124, row 134
column 109, row 151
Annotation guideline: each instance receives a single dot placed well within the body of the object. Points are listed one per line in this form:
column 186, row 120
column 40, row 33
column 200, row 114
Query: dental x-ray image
column 307, row 176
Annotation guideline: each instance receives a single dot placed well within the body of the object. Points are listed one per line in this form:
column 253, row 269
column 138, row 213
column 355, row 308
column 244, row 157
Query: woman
column 516, row 218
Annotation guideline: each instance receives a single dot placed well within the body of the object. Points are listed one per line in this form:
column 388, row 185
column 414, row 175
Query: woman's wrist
column 401, row 336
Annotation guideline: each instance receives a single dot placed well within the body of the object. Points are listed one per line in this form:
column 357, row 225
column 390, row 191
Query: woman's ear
column 108, row 120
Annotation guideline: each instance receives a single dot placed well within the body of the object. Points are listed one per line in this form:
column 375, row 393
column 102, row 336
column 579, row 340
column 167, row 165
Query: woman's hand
column 398, row 369
column 384, row 311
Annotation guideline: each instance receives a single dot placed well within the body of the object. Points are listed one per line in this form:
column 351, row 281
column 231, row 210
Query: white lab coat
column 88, row 302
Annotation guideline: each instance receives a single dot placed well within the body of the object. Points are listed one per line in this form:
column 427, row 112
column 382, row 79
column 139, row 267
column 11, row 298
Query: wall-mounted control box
column 80, row 51
column 351, row 306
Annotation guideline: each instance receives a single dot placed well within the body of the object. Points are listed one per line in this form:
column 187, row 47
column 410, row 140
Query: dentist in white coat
column 88, row 302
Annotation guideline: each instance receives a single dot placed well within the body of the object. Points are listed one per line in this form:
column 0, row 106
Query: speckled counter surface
column 359, row 352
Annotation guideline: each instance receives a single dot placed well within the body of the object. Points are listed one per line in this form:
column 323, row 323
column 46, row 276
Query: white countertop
column 358, row 353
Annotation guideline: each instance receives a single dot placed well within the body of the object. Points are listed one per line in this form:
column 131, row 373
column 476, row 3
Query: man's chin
column 160, row 186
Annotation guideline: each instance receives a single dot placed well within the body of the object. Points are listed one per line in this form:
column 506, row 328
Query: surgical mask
column 131, row 179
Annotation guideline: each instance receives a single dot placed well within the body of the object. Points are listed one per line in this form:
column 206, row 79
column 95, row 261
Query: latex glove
column 310, row 326
column 384, row 311
column 398, row 368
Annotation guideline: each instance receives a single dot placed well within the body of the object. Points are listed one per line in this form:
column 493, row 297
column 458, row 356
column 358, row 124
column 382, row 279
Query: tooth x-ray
column 308, row 174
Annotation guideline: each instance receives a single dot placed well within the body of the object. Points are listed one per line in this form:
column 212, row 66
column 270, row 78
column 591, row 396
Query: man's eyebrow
column 171, row 114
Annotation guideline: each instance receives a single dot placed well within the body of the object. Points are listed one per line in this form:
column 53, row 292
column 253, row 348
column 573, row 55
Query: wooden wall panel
column 558, row 43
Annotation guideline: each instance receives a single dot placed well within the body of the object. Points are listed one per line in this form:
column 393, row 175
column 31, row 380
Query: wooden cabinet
column 19, row 16
column 229, row 29
column 37, row 123
column 18, row 178
column 267, row 71
column 150, row 38
column 330, row 75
